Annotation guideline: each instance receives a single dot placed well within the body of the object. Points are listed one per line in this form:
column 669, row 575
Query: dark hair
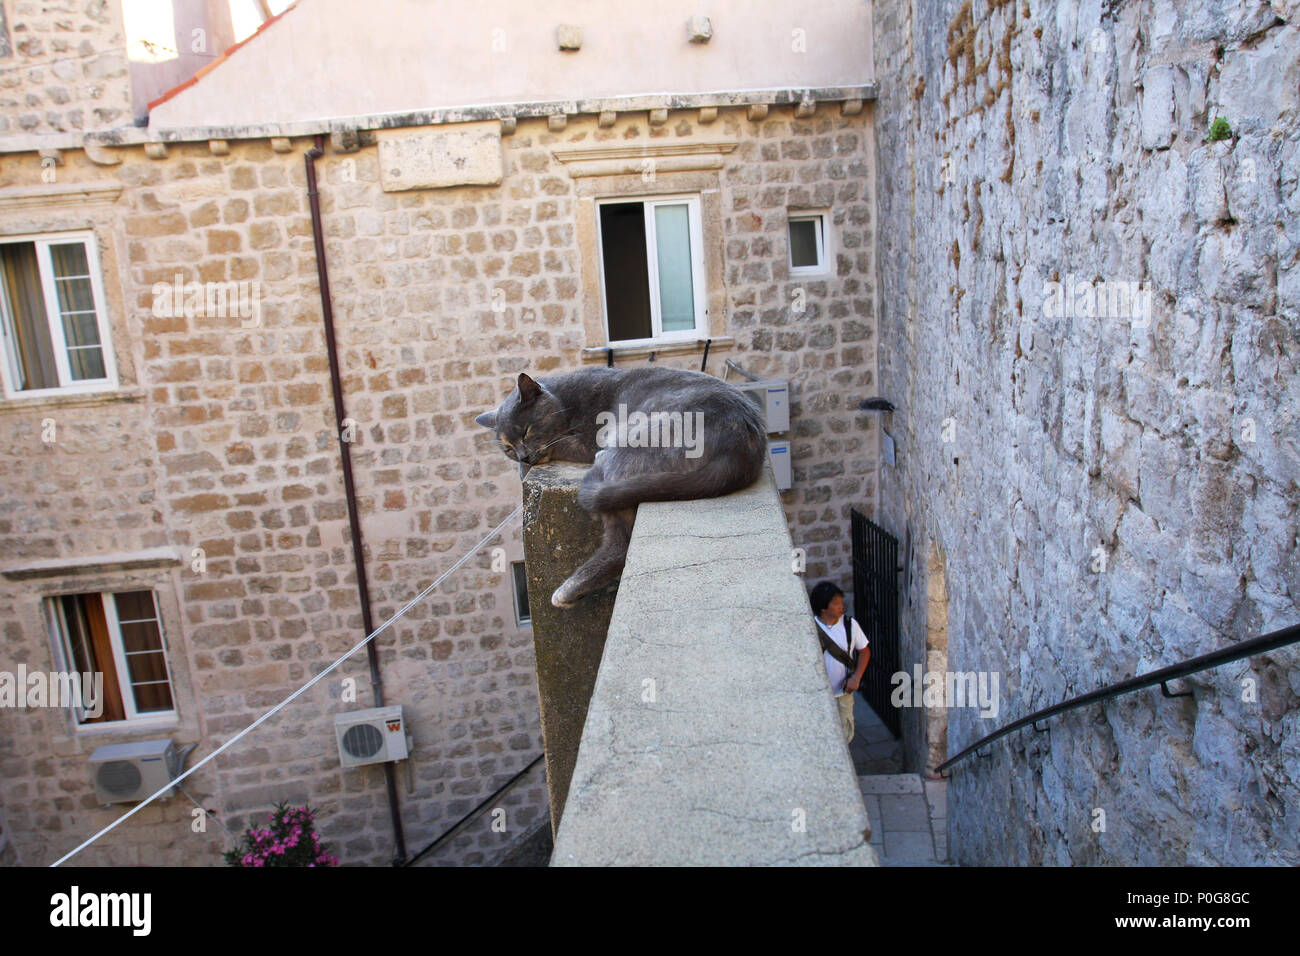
column 822, row 595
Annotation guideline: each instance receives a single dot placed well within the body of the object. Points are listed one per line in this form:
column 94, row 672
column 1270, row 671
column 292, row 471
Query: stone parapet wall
column 712, row 737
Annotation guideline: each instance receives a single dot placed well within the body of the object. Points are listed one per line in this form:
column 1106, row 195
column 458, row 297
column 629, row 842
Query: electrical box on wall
column 778, row 453
column 773, row 400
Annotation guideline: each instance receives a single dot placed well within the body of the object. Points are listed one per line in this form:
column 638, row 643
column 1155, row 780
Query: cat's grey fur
column 559, row 415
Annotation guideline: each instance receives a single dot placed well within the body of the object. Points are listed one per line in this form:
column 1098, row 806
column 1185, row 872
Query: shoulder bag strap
column 833, row 649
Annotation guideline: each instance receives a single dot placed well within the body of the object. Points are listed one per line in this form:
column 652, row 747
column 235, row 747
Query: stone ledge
column 136, row 136
column 622, row 160
column 711, row 737
column 152, row 559
column 73, row 399
column 42, row 197
column 600, row 353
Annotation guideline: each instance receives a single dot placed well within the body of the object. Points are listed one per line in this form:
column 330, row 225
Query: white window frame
column 133, row 718
column 823, row 219
column 698, row 279
column 67, row 386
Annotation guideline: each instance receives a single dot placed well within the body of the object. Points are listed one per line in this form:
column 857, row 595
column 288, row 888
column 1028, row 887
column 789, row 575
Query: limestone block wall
column 1112, row 491
column 223, row 439
column 63, row 66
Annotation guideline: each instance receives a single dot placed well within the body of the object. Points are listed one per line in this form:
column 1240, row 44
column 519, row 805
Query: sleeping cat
column 716, row 436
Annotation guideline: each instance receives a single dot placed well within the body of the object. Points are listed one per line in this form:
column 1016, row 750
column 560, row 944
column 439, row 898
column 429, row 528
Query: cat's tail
column 721, row 476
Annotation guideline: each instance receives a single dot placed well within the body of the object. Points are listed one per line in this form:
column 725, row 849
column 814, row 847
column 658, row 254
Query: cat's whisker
column 557, row 441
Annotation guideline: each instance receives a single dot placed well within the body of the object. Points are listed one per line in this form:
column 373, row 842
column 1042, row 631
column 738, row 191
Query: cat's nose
column 523, row 468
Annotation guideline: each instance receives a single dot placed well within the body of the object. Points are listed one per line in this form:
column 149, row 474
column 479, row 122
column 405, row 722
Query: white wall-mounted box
column 778, row 453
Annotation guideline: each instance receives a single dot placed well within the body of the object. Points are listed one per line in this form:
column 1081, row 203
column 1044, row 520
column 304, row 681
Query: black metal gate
column 875, row 607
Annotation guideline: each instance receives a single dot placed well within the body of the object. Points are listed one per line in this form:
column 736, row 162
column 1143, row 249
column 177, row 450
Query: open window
column 652, row 269
column 52, row 316
column 118, row 635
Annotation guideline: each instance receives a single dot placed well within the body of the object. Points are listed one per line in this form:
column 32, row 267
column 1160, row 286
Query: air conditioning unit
column 773, row 399
column 377, row 735
column 127, row 773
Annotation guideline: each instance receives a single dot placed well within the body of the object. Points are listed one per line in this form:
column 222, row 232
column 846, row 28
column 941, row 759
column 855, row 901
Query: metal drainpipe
column 345, row 452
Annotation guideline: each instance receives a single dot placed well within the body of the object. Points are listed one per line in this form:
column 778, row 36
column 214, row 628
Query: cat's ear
column 528, row 389
column 488, row 419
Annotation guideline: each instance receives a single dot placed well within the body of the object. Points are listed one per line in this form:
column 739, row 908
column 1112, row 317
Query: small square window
column 808, row 244
column 519, row 575
column 52, row 316
column 119, row 636
column 652, row 269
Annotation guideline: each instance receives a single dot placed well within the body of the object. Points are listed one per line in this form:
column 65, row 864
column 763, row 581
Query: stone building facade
column 209, row 474
column 1099, row 493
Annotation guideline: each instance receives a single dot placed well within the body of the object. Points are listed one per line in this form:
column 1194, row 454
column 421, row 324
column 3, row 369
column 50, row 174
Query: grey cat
column 715, row 436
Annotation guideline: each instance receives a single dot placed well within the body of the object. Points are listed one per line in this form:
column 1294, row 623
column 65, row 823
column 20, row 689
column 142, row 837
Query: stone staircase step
column 909, row 818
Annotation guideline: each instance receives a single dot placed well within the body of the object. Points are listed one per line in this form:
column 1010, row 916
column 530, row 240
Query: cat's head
column 526, row 424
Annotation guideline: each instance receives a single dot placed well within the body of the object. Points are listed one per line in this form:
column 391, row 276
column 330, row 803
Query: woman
column 834, row 629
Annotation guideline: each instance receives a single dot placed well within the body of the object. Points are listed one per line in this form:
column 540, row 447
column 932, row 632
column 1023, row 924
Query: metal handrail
column 460, row 825
column 1258, row 645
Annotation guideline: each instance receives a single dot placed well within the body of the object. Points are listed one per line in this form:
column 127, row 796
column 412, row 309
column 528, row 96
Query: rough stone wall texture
column 64, row 67
column 223, row 438
column 1020, row 143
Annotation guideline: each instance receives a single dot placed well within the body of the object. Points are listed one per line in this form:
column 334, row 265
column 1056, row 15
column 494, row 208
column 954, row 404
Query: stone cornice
column 153, row 559
column 851, row 96
column 622, row 159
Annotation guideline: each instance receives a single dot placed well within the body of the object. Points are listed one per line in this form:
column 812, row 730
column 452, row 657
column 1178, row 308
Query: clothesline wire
column 300, row 691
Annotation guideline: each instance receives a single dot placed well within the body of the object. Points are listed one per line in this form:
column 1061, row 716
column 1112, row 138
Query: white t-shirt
column 836, row 672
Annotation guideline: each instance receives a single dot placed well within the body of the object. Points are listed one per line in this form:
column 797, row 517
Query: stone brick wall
column 818, row 333
column 1021, row 143
column 64, row 67
column 225, row 441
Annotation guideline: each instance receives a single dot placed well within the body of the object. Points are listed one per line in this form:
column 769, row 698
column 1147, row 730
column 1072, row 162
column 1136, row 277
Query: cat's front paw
column 589, row 496
column 564, row 598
